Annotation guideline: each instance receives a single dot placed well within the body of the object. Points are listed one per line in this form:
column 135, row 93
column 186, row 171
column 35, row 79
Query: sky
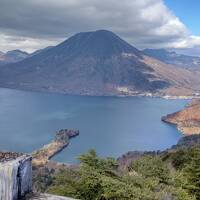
column 187, row 11
column 34, row 24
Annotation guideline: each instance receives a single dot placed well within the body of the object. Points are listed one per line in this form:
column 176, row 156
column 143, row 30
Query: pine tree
column 193, row 173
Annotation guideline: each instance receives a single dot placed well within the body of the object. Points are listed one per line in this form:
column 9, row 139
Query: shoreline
column 43, row 155
column 146, row 94
column 60, row 147
column 187, row 120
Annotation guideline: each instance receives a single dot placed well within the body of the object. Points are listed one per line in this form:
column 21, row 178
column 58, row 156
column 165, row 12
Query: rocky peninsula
column 16, row 172
column 61, row 140
column 186, row 120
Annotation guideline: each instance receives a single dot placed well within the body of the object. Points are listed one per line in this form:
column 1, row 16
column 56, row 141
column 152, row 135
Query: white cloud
column 24, row 43
column 188, row 42
column 34, row 24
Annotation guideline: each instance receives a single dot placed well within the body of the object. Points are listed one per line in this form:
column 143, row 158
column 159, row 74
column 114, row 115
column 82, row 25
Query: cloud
column 28, row 44
column 188, row 42
column 32, row 24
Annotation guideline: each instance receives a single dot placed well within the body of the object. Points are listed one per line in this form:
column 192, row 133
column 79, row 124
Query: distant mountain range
column 17, row 55
column 98, row 63
column 12, row 56
column 171, row 57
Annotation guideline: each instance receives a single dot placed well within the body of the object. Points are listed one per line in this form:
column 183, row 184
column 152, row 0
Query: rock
column 7, row 156
column 64, row 135
column 48, row 197
column 15, row 176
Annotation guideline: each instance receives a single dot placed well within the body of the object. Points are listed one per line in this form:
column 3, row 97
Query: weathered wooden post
column 15, row 175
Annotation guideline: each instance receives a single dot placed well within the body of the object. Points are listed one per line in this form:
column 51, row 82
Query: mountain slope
column 40, row 50
column 187, row 120
column 12, row 56
column 95, row 63
column 171, row 57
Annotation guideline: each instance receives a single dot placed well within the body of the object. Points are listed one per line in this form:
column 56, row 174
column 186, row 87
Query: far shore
column 146, row 94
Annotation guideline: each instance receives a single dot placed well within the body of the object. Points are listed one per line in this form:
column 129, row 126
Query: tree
column 192, row 172
column 152, row 167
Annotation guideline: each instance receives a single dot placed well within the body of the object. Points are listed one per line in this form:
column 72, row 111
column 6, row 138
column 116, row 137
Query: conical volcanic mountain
column 97, row 63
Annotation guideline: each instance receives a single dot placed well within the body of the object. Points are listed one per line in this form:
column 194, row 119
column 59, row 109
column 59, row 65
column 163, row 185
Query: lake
column 111, row 125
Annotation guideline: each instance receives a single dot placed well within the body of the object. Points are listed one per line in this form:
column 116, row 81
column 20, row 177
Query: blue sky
column 188, row 11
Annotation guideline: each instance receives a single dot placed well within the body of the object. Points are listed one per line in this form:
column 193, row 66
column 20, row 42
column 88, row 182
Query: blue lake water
column 111, row 125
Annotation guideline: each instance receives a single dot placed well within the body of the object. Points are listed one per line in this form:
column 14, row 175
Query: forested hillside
column 170, row 175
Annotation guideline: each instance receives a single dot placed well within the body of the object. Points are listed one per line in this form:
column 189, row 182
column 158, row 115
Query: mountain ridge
column 171, row 57
column 12, row 56
column 96, row 63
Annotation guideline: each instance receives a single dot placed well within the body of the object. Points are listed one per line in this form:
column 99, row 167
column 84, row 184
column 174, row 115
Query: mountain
column 171, row 57
column 40, row 50
column 187, row 120
column 17, row 55
column 97, row 63
column 12, row 56
column 1, row 57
